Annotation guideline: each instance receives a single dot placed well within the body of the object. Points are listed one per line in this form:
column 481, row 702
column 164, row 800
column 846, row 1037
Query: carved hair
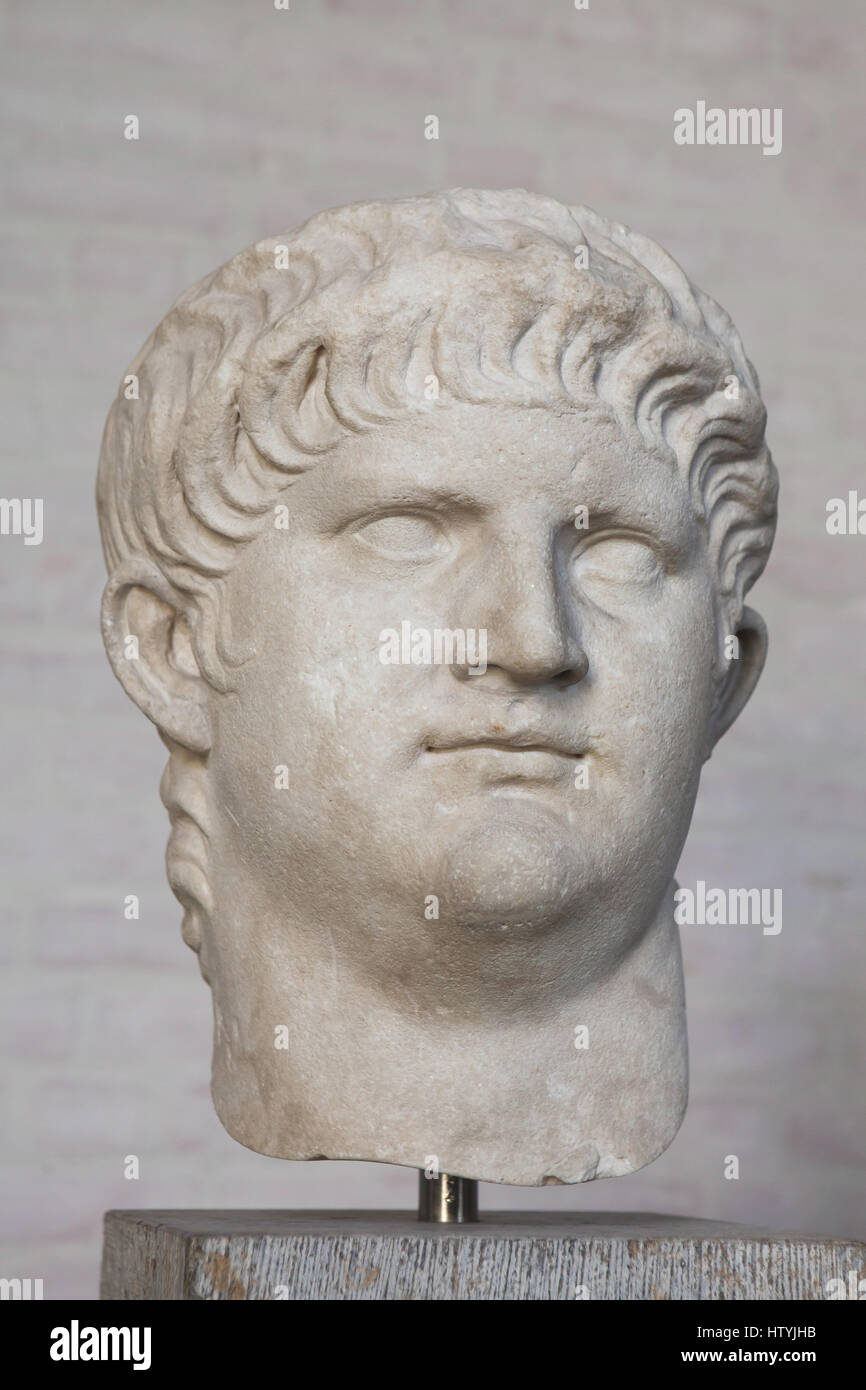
column 336, row 328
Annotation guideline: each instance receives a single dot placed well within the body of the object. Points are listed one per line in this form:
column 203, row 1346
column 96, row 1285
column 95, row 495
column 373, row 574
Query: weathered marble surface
column 303, row 1255
column 430, row 880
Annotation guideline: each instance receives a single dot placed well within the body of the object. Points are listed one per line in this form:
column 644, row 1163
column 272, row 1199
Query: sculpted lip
column 522, row 743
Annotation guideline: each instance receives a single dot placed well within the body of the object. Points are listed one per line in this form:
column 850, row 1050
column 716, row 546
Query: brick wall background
column 252, row 119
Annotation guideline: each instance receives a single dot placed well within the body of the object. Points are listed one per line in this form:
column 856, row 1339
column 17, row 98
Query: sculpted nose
column 531, row 625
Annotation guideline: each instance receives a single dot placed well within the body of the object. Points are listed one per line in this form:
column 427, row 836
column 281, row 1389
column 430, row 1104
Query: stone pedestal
column 506, row 1255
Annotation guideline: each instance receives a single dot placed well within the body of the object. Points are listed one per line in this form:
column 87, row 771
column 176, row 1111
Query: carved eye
column 403, row 537
column 616, row 564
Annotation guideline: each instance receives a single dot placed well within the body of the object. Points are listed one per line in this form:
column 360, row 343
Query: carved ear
column 148, row 641
column 742, row 676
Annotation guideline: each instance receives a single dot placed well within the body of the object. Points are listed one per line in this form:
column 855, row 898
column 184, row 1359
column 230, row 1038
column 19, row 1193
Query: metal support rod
column 446, row 1198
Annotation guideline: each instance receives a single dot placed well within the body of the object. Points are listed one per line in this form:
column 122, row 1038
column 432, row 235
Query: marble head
column 428, row 528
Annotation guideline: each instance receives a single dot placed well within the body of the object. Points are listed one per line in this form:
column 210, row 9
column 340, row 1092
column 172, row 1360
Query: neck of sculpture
column 544, row 1062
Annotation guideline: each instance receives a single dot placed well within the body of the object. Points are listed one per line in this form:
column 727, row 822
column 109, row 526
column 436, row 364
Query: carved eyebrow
column 412, row 494
column 629, row 513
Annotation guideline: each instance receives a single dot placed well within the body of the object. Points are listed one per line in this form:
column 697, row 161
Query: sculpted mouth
column 517, row 744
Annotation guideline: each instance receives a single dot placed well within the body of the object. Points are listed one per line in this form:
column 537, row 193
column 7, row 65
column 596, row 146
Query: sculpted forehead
column 489, row 458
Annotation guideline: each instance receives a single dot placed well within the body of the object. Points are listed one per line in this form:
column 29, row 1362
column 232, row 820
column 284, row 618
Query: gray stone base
column 506, row 1255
